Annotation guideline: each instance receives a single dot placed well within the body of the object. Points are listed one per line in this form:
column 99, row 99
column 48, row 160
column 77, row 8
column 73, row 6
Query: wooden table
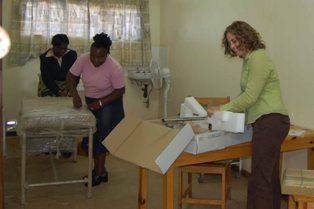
column 232, row 152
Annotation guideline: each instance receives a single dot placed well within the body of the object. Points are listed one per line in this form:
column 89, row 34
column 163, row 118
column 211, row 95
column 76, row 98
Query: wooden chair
column 212, row 101
column 300, row 202
column 224, row 169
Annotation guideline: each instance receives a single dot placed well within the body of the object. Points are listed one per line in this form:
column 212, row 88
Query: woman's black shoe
column 96, row 180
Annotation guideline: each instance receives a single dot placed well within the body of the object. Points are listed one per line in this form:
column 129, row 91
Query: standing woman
column 104, row 87
column 261, row 100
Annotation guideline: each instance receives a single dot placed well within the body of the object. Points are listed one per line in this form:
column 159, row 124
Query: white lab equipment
column 227, row 128
column 227, row 121
column 191, row 108
column 221, row 120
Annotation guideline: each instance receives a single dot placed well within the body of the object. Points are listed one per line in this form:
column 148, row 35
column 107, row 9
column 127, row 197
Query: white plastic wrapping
column 53, row 115
column 51, row 144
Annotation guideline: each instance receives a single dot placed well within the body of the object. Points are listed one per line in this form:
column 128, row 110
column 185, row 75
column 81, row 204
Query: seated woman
column 54, row 66
column 55, row 63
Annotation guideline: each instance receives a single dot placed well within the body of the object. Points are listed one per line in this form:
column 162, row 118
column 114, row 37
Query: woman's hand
column 212, row 109
column 77, row 102
column 95, row 105
column 63, row 93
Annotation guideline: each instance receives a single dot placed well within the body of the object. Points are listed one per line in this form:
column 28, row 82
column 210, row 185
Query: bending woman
column 104, row 87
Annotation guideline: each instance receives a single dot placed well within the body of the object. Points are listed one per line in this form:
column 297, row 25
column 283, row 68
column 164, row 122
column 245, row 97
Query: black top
column 51, row 71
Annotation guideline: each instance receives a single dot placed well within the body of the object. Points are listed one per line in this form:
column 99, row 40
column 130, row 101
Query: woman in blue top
column 55, row 64
column 260, row 99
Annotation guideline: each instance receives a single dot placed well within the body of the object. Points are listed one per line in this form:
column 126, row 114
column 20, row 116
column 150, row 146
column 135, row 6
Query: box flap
column 128, row 125
column 175, row 147
column 147, row 144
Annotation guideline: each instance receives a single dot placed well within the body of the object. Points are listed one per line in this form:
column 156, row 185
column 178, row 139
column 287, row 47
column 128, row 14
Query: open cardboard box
column 148, row 144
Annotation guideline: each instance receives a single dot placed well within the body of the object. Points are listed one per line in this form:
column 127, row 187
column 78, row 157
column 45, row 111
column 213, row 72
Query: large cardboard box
column 217, row 140
column 148, row 144
column 296, row 181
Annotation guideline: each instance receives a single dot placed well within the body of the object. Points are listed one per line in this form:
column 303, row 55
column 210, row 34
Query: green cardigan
column 260, row 88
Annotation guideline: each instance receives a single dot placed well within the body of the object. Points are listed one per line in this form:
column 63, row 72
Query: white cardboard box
column 148, row 144
column 217, row 140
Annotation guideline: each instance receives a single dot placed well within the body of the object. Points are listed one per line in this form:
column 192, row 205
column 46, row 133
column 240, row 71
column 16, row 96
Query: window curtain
column 125, row 21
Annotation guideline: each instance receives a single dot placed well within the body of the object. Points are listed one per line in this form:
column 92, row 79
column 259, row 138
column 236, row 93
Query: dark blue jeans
column 107, row 118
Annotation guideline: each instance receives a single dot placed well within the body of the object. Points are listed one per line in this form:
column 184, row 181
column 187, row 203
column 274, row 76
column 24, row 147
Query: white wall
column 193, row 30
column 293, row 49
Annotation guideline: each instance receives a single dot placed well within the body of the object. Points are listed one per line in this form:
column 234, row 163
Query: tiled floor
column 119, row 193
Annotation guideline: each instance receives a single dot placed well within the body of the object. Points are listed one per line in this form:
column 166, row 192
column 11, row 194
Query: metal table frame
column 79, row 132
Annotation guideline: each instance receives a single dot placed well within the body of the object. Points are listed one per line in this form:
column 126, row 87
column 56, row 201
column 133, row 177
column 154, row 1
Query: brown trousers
column 264, row 191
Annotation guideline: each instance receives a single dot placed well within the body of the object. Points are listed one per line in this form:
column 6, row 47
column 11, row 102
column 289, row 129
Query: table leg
column 310, row 158
column 302, row 205
column 168, row 189
column 90, row 162
column 291, row 202
column 23, row 168
column 143, row 188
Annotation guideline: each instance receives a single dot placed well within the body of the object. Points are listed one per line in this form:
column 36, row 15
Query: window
column 126, row 22
column 120, row 24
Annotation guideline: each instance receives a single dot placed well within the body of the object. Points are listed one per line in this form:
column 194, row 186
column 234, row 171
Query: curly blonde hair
column 247, row 36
